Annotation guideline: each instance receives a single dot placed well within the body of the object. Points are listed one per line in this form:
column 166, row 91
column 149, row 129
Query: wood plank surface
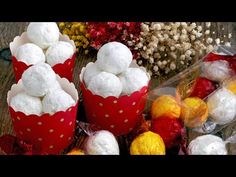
column 10, row 30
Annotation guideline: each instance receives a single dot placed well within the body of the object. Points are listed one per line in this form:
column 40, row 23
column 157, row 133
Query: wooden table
column 7, row 76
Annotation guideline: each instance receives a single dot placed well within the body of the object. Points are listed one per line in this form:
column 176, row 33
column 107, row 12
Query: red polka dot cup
column 65, row 69
column 117, row 115
column 49, row 134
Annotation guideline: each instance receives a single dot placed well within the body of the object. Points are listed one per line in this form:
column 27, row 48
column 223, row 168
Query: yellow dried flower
column 77, row 31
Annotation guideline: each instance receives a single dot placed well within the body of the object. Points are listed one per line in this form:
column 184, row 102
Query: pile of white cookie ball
column 44, row 46
column 112, row 74
column 42, row 93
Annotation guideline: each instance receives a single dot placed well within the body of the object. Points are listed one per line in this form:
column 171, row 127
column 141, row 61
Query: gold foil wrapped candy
column 165, row 105
column 194, row 112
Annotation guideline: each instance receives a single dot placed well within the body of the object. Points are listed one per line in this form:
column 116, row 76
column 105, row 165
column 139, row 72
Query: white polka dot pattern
column 51, row 131
column 40, row 123
column 121, row 111
column 112, row 126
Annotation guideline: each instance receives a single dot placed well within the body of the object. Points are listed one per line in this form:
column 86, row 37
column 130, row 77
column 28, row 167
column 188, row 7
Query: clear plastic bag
column 182, row 88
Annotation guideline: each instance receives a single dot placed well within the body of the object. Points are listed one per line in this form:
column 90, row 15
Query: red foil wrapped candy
column 171, row 130
column 202, row 87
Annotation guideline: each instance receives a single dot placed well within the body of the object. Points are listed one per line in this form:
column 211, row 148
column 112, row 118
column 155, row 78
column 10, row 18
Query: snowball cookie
column 222, row 106
column 133, row 79
column 27, row 104
column 91, row 70
column 43, row 34
column 57, row 100
column 105, row 84
column 30, row 54
column 102, row 143
column 207, row 145
column 114, row 57
column 59, row 53
column 38, row 79
column 216, row 70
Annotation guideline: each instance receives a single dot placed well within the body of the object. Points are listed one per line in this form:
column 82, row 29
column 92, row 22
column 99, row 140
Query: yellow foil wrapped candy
column 147, row 143
column 165, row 105
column 194, row 112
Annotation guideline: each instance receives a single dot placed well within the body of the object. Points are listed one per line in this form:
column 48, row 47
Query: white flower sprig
column 166, row 47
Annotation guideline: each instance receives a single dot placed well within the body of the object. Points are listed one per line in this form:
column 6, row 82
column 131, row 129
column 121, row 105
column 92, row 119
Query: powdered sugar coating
column 133, row 79
column 102, row 143
column 59, row 53
column 222, row 106
column 207, row 145
column 91, row 70
column 27, row 104
column 39, row 79
column 43, row 34
column 216, row 70
column 105, row 84
column 30, row 53
column 57, row 100
column 114, row 57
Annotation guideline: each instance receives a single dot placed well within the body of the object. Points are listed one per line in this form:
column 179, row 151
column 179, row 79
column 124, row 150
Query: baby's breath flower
column 173, row 46
column 208, row 24
column 209, row 40
column 217, row 40
column 228, row 44
column 207, row 32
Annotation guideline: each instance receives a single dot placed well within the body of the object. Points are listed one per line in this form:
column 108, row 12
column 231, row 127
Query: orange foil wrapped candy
column 148, row 143
column 194, row 112
column 165, row 105
column 76, row 151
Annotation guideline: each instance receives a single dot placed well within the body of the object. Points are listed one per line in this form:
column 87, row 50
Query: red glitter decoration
column 171, row 130
column 11, row 145
column 202, row 87
column 103, row 32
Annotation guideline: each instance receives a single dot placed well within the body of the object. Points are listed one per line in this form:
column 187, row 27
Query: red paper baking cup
column 117, row 115
column 65, row 69
column 49, row 134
